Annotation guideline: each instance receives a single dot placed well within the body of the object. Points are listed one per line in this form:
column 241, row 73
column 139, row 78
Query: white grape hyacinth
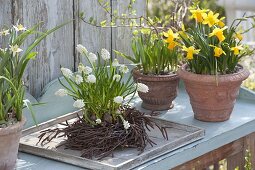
column 142, row 88
column 117, row 77
column 126, row 124
column 91, row 79
column 78, row 79
column 118, row 99
column 66, row 72
column 81, row 49
column 98, row 121
column 124, row 69
column 92, row 57
column 61, row 92
column 105, row 54
column 115, row 63
column 84, row 69
column 79, row 104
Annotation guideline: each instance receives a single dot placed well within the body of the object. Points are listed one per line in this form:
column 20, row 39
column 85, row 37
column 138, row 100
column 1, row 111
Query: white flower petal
column 126, row 124
column 78, row 79
column 78, row 103
column 98, row 121
column 105, row 54
column 118, row 99
column 66, row 72
column 91, row 79
column 92, row 57
column 124, row 69
column 117, row 77
column 61, row 92
column 115, row 63
column 142, row 88
column 81, row 49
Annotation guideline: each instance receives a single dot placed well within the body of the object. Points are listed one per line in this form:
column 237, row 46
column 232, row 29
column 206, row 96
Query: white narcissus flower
column 81, row 49
column 66, row 72
column 4, row 32
column 15, row 49
column 126, row 124
column 124, row 69
column 19, row 27
column 78, row 103
column 115, row 63
column 116, row 77
column 78, row 79
column 61, row 92
column 118, row 99
column 91, row 79
column 98, row 121
column 142, row 88
column 105, row 54
column 92, row 57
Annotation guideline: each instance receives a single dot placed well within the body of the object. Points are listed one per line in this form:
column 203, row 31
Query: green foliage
column 13, row 62
column 248, row 160
column 151, row 53
column 100, row 97
column 220, row 47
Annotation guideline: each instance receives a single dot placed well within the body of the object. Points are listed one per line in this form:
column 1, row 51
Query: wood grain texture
column 5, row 18
column 214, row 156
column 56, row 49
column 121, row 37
column 93, row 38
column 5, row 13
column 59, row 48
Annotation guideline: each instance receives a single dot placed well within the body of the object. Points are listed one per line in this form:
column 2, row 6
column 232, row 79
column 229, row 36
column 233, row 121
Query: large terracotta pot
column 9, row 144
column 211, row 102
column 162, row 90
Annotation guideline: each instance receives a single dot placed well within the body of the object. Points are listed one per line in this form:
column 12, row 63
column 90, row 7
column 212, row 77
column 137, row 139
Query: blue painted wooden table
column 241, row 123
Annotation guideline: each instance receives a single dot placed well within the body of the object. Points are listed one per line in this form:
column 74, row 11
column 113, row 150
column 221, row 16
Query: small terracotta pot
column 162, row 90
column 211, row 102
column 9, row 144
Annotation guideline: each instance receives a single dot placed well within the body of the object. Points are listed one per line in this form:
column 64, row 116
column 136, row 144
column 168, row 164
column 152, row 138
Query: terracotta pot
column 9, row 144
column 162, row 90
column 211, row 102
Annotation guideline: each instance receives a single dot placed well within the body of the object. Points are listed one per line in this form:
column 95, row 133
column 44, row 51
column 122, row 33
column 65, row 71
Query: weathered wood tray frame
column 124, row 159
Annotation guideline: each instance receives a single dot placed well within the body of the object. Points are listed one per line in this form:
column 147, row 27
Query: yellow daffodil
column 171, row 45
column 218, row 32
column 197, row 14
column 15, row 49
column 221, row 23
column 190, row 52
column 210, row 18
column 19, row 27
column 237, row 49
column 170, row 36
column 239, row 36
column 4, row 32
column 218, row 51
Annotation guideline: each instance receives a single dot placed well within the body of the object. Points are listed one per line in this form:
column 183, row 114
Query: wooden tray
column 179, row 135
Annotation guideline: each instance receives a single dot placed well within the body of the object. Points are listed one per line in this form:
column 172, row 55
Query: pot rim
column 137, row 72
column 13, row 128
column 186, row 75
